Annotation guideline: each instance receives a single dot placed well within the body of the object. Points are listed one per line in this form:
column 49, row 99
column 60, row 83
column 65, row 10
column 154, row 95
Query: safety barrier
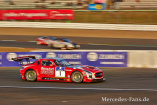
column 99, row 58
column 93, row 58
column 142, row 59
column 79, row 26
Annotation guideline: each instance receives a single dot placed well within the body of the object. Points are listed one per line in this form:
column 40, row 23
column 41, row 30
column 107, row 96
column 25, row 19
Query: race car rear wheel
column 77, row 77
column 31, row 75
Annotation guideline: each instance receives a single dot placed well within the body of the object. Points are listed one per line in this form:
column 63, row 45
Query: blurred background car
column 63, row 43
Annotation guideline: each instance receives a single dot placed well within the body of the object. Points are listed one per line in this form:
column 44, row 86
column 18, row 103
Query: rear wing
column 20, row 59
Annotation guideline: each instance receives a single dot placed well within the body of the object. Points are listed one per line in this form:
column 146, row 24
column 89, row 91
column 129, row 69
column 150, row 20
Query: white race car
column 63, row 43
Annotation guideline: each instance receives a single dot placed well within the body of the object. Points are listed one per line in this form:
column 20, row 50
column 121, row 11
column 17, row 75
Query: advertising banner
column 100, row 6
column 106, row 59
column 36, row 14
column 99, row 59
column 1, row 58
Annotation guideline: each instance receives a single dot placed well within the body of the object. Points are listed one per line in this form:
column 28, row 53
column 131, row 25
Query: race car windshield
column 66, row 40
column 62, row 62
column 52, row 38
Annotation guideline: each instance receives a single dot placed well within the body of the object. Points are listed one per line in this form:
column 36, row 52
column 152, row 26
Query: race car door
column 47, row 69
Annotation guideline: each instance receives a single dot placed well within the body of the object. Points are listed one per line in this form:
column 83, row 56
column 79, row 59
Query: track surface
column 126, row 41
column 83, row 46
column 110, row 43
column 54, row 93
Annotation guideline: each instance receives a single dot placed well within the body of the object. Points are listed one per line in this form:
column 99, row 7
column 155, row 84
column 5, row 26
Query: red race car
column 57, row 69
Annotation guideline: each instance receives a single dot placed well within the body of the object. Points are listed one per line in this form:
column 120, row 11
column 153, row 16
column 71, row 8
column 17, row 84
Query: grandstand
column 75, row 4
column 136, row 4
column 44, row 4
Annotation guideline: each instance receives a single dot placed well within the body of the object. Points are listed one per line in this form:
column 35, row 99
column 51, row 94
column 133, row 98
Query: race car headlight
column 70, row 45
column 89, row 74
column 77, row 45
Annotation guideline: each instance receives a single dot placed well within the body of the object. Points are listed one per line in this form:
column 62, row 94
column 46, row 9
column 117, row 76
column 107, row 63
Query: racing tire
column 51, row 45
column 66, row 47
column 31, row 75
column 77, row 77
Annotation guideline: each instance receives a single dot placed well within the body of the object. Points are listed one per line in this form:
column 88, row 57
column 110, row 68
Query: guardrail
column 79, row 26
column 99, row 58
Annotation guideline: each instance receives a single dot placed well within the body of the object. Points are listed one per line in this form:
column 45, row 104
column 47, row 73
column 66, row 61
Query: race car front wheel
column 31, row 75
column 77, row 77
column 51, row 45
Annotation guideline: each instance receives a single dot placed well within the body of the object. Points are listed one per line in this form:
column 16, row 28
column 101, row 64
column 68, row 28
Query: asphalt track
column 24, row 44
column 86, row 42
column 120, row 83
column 126, row 41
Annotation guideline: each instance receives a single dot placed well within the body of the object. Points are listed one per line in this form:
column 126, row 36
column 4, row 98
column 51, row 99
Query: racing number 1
column 60, row 72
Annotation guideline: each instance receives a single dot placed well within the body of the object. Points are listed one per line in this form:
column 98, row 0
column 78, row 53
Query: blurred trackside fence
column 99, row 58
column 116, row 16
column 105, row 17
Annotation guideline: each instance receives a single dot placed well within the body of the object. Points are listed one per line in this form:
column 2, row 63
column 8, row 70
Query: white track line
column 67, row 88
column 8, row 40
column 31, row 41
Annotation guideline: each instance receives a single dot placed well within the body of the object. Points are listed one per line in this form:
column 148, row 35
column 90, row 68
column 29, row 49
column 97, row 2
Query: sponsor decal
column 36, row 14
column 100, row 6
column 60, row 72
column 50, row 55
column 68, row 70
column 54, row 14
column 92, row 56
column 10, row 56
column 69, row 56
column 107, row 59
column 45, row 70
column 111, row 56
column 29, row 15
column 64, row 56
